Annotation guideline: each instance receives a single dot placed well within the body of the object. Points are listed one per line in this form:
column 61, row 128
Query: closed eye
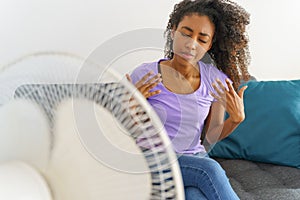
column 184, row 34
column 187, row 35
column 202, row 41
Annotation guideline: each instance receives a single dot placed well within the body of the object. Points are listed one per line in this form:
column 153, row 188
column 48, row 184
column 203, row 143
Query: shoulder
column 144, row 67
column 142, row 70
column 211, row 72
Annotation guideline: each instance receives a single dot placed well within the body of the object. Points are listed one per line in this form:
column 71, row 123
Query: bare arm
column 231, row 102
column 218, row 129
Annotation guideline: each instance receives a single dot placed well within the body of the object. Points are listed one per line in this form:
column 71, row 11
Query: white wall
column 80, row 26
column 274, row 34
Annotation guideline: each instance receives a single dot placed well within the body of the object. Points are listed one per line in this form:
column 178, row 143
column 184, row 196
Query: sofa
column 262, row 156
column 262, row 181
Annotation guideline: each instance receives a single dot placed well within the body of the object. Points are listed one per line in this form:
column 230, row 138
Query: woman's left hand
column 232, row 101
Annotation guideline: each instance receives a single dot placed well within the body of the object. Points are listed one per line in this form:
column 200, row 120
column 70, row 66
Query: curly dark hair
column 230, row 50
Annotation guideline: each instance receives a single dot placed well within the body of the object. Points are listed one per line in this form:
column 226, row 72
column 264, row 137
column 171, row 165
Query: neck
column 186, row 70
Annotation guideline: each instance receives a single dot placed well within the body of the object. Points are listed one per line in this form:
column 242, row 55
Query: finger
column 154, row 78
column 128, row 78
column 154, row 84
column 241, row 91
column 132, row 107
column 150, row 94
column 217, row 89
column 144, row 79
column 143, row 88
column 218, row 98
column 229, row 85
column 149, row 85
column 224, row 89
column 215, row 96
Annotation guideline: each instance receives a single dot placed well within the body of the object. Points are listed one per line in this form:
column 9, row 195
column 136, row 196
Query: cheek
column 201, row 52
column 177, row 45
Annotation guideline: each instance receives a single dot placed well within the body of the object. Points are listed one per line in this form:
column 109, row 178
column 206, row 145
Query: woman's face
column 192, row 38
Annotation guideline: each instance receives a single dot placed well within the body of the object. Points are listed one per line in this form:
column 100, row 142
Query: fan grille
column 118, row 100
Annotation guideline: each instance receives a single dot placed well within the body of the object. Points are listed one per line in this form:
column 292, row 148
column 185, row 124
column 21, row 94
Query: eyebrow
column 191, row 30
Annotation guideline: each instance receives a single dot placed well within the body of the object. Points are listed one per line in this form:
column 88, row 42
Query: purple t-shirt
column 183, row 115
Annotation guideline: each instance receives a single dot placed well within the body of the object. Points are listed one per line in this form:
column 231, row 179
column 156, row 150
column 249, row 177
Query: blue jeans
column 204, row 178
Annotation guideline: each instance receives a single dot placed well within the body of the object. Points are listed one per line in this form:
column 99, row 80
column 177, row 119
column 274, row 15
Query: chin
column 189, row 61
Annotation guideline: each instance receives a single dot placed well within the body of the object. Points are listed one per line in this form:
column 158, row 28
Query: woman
column 190, row 96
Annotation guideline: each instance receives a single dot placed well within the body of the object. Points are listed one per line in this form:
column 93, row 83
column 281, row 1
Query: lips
column 187, row 55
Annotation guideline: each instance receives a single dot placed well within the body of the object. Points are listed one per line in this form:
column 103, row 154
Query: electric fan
column 73, row 130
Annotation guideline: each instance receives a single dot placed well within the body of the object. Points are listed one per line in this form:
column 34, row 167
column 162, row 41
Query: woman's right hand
column 147, row 82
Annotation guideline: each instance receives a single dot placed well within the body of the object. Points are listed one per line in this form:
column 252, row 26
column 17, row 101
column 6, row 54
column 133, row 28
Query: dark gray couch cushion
column 262, row 181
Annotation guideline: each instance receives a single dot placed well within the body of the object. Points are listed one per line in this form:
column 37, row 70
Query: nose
column 191, row 43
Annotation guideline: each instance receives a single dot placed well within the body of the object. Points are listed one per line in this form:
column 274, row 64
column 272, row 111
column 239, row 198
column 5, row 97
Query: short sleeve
column 211, row 73
column 141, row 71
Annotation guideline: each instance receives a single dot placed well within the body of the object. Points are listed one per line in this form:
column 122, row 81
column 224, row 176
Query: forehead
column 198, row 23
